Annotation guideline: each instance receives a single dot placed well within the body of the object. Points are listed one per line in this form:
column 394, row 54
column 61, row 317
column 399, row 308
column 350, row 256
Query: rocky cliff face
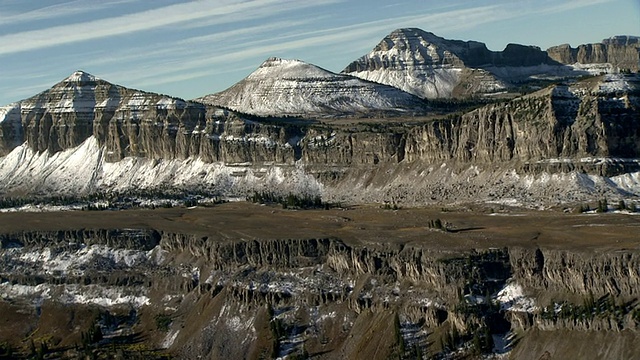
column 430, row 66
column 315, row 296
column 82, row 105
column 620, row 51
column 589, row 126
column 426, row 65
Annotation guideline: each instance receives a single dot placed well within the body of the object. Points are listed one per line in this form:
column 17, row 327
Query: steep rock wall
column 330, row 294
column 622, row 52
column 589, row 127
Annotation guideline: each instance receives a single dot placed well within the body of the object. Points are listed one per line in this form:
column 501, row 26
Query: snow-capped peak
column 295, row 88
column 80, row 76
column 426, row 65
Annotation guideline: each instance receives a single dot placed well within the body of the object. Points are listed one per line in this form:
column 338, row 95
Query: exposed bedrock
column 581, row 129
column 621, row 51
column 331, row 295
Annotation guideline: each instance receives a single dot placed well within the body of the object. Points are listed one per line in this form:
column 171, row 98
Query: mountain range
column 471, row 123
column 421, row 120
column 430, row 66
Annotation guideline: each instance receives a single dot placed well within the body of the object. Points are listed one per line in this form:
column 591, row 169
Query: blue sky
column 192, row 48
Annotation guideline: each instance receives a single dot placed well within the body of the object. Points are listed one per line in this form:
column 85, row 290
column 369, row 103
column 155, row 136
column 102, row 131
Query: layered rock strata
column 620, row 51
column 325, row 296
column 281, row 87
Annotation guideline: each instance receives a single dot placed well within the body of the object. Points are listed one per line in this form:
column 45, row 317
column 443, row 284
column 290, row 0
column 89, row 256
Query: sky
column 193, row 48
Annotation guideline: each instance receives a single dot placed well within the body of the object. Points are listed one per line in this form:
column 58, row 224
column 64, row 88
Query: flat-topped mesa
column 281, row 87
column 622, row 52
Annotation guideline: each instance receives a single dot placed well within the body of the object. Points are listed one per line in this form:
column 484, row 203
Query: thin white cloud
column 66, row 9
column 235, row 34
column 234, row 51
column 142, row 21
column 363, row 36
column 558, row 7
column 188, row 48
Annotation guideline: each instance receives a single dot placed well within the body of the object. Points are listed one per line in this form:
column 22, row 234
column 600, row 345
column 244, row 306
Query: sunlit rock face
column 620, row 51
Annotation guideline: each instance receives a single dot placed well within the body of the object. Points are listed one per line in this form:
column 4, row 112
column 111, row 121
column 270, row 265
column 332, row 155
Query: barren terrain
column 467, row 228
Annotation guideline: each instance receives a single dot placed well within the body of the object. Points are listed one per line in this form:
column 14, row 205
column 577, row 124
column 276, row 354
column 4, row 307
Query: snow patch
column 67, row 262
column 83, row 170
column 75, row 294
column 512, row 298
column 170, row 338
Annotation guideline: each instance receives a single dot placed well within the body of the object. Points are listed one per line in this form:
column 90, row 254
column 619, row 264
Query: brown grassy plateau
column 468, row 228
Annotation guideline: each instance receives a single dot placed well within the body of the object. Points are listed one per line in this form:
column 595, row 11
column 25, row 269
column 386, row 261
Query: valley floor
column 469, row 227
column 243, row 280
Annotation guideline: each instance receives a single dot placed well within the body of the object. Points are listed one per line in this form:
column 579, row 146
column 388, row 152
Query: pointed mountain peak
column 80, row 76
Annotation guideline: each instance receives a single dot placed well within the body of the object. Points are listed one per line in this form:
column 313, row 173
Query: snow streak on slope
column 10, row 112
column 282, row 87
column 94, row 257
column 424, row 81
column 69, row 171
column 83, row 170
column 512, row 298
column 75, row 294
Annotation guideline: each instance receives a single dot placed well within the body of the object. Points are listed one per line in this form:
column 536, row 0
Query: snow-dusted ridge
column 430, row 66
column 84, row 170
column 82, row 92
column 282, row 87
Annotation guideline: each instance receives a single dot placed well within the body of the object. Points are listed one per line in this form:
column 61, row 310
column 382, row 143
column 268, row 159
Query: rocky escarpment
column 620, row 51
column 566, row 126
column 132, row 123
column 556, row 123
column 82, row 105
column 319, row 296
column 587, row 127
column 430, row 66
